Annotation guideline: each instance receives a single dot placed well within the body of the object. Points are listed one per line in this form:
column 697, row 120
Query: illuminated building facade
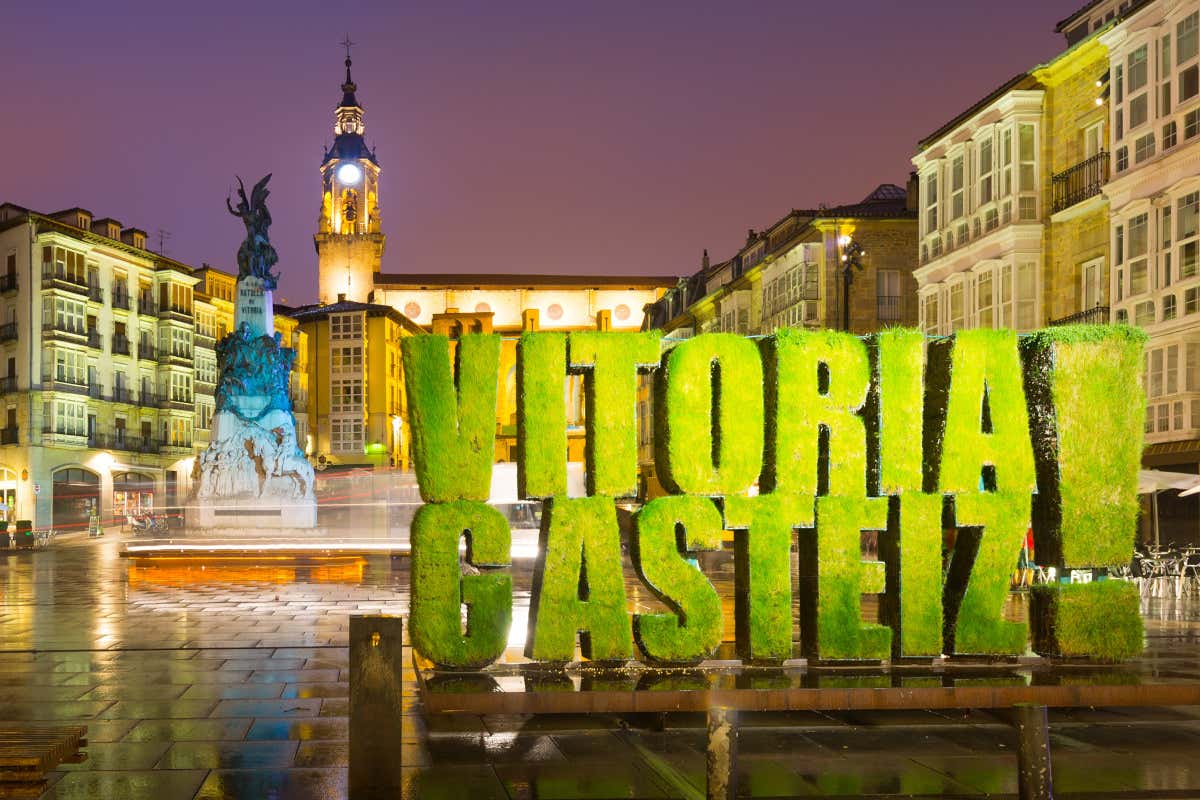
column 107, row 368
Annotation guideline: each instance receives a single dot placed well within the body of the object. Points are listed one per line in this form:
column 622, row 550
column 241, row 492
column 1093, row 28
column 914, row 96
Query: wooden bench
column 27, row 754
column 722, row 690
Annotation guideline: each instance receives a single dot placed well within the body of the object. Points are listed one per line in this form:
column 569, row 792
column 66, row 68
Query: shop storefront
column 76, row 496
column 133, row 494
column 8, row 496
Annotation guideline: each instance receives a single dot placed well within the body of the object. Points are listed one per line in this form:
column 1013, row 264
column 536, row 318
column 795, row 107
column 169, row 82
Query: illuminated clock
column 349, row 173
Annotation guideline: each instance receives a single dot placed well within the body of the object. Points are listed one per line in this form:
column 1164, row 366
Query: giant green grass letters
column 898, row 434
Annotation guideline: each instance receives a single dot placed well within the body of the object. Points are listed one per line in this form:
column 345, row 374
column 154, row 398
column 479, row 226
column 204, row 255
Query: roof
column 887, row 200
column 350, row 146
column 1066, row 22
column 1009, row 85
column 315, row 312
column 509, row 280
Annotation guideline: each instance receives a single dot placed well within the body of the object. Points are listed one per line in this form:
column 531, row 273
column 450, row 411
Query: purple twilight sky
column 576, row 137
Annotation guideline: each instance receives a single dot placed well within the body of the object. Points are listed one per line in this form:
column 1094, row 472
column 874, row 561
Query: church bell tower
column 349, row 241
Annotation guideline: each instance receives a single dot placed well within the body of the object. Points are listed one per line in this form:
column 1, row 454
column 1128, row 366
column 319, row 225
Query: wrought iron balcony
column 1093, row 316
column 9, row 436
column 120, row 345
column 8, row 283
column 95, row 293
column 8, row 384
column 96, row 391
column 122, row 394
column 147, row 351
column 120, row 300
column 147, row 399
column 94, row 340
column 1078, row 183
column 889, row 308
column 146, row 305
column 8, row 332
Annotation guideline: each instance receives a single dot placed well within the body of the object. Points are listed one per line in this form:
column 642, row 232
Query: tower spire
column 349, row 87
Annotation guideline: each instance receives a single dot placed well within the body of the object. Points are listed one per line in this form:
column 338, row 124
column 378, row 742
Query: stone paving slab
column 194, row 687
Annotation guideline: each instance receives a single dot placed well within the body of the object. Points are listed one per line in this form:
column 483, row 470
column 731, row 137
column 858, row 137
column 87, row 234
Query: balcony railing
column 94, row 340
column 8, row 384
column 122, row 394
column 1078, row 183
column 8, row 283
column 175, row 354
column 96, row 391
column 889, row 308
column 205, row 387
column 147, row 399
column 95, row 293
column 120, row 345
column 146, row 305
column 172, row 309
column 207, row 342
column 174, row 447
column 121, row 441
column 120, row 300
column 57, row 277
column 147, row 351
column 178, row 402
column 1093, row 316
column 62, row 435
column 60, row 328
column 63, row 384
column 8, row 332
column 9, row 436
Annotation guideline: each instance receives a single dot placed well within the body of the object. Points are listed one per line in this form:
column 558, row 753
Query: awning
column 1154, row 480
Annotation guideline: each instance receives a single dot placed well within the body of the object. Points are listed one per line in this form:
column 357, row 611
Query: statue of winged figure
column 256, row 256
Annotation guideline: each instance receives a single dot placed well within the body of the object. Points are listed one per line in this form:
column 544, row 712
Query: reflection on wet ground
column 227, row 680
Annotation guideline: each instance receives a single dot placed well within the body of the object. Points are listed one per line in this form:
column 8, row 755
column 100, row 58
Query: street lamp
column 852, row 255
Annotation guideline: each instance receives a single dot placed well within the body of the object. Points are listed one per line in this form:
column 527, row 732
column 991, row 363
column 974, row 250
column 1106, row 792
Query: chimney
column 604, row 320
column 912, row 196
column 704, row 260
column 341, row 297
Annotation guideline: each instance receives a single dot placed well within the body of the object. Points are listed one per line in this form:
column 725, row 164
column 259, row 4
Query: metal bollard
column 1033, row 753
column 721, row 755
column 376, row 705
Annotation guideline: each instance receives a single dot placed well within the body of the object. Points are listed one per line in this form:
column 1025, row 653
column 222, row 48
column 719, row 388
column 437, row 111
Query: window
column 179, row 432
column 347, row 395
column 64, row 314
column 1092, row 290
column 956, row 307
column 1186, row 38
column 69, row 418
column 346, row 358
column 1122, row 159
column 1165, row 228
column 1138, row 283
column 1093, row 140
column 1188, row 215
column 1139, row 110
column 345, row 326
column 1191, row 301
column 931, row 202
column 1006, row 163
column 1189, row 83
column 929, row 313
column 986, row 300
column 178, row 387
column 1172, row 371
column 1143, row 314
column 1143, row 148
column 70, row 366
column 346, row 435
column 1137, row 69
column 1027, row 155
column 1168, row 135
column 1006, row 296
column 1027, row 296
column 887, row 294
column 1168, row 309
column 957, row 185
column 985, row 171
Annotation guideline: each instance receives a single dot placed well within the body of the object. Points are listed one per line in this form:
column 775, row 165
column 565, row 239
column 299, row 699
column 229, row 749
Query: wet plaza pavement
column 225, row 681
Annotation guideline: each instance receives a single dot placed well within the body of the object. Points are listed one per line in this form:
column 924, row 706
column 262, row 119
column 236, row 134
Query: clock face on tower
column 349, row 173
